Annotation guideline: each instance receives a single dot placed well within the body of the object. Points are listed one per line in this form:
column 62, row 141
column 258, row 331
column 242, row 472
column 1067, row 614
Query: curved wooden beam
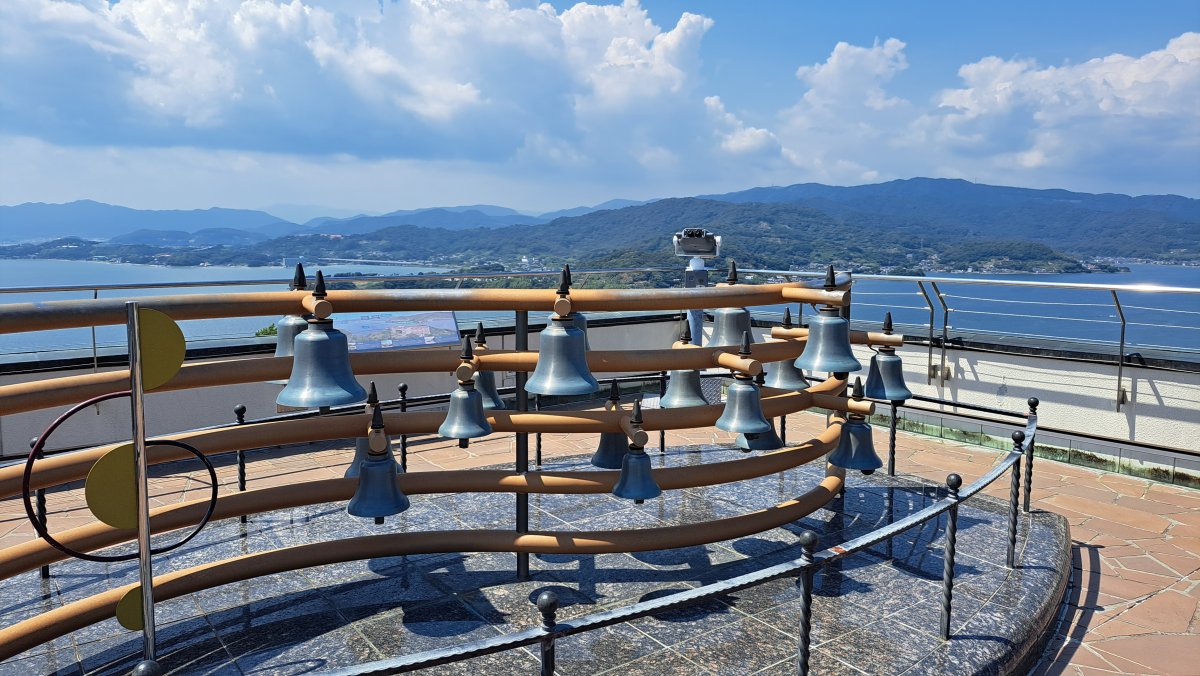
column 64, row 314
column 36, row 553
column 65, row 619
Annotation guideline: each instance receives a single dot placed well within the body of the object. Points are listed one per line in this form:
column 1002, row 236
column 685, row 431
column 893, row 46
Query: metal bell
column 767, row 441
column 321, row 373
column 729, row 323
column 856, row 448
column 579, row 320
column 637, row 480
column 683, row 390
column 562, row 363
column 288, row 327
column 828, row 346
column 377, row 495
column 613, row 445
column 783, row 375
column 362, row 445
column 885, row 377
column 743, row 402
column 485, row 381
column 465, row 419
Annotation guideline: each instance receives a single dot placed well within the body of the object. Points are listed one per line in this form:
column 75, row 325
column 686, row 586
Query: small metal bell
column 321, row 373
column 856, row 448
column 485, row 381
column 377, row 495
column 729, row 323
column 783, row 375
column 288, row 327
column 885, row 377
column 768, row 441
column 637, row 480
column 465, row 418
column 362, row 445
column 828, row 346
column 743, row 404
column 683, row 390
column 613, row 445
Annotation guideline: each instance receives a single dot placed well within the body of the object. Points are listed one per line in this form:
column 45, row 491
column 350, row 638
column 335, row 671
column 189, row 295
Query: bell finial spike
column 830, row 278
column 373, row 396
column 377, row 418
column 468, row 353
column 299, row 281
column 319, row 289
column 480, row 338
column 685, row 332
column 636, row 417
column 787, row 317
column 564, row 281
column 745, row 349
column 887, row 324
column 732, row 277
column 857, row 393
column 614, row 391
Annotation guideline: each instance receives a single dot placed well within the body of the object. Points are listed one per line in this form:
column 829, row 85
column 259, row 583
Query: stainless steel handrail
column 1139, row 288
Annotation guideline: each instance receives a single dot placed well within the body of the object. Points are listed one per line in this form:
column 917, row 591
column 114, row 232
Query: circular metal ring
column 45, row 534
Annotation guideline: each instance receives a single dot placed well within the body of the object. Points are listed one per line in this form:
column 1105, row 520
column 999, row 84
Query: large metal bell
column 743, row 408
column 729, row 323
column 579, row 320
column 856, row 448
column 828, row 346
column 562, row 362
column 683, row 390
column 637, row 480
column 378, row 494
column 610, row 454
column 485, row 384
column 321, row 373
column 885, row 378
column 783, row 375
column 465, row 419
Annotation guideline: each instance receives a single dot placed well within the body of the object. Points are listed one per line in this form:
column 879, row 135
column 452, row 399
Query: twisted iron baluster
column 953, row 482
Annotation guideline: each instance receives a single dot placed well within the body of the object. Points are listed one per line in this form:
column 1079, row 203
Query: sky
column 378, row 105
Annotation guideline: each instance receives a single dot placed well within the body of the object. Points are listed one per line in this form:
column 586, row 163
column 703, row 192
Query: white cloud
column 736, row 137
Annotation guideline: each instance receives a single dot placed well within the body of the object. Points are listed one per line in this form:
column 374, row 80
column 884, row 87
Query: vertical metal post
column 40, row 495
column 522, row 441
column 547, row 605
column 240, row 412
column 537, row 446
column 1032, row 426
column 929, row 361
column 808, row 543
column 953, row 482
column 1121, row 353
column 1014, row 495
column 138, row 429
column 942, row 374
column 891, row 467
column 403, row 437
column 783, row 429
column 95, row 352
column 662, row 392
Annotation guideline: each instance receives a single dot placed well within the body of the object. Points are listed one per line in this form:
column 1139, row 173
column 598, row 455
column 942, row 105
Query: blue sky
column 376, row 106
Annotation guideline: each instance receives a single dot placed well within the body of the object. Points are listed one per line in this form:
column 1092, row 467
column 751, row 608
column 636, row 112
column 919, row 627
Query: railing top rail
column 333, row 278
column 1134, row 288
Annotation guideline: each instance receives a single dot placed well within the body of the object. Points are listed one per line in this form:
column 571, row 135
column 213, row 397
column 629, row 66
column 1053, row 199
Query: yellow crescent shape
column 111, row 488
column 129, row 609
column 163, row 348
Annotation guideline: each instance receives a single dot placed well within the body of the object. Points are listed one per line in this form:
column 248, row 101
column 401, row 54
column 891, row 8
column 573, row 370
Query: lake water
column 1170, row 321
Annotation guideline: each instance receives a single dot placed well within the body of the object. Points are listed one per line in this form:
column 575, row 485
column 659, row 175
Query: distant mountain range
column 887, row 224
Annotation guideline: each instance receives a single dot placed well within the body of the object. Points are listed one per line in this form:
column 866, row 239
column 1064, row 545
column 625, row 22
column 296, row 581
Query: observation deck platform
column 871, row 614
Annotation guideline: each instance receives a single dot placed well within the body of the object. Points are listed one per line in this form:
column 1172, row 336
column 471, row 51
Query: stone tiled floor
column 1132, row 607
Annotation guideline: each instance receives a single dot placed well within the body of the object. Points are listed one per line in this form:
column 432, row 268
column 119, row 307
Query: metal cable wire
column 1160, row 309
column 1028, row 302
column 1066, row 319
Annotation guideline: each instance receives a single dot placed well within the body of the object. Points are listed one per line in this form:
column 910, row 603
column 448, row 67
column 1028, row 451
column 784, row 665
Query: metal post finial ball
column 147, row 668
column 954, row 481
column 403, row 388
column 807, row 539
column 1033, row 403
column 1018, row 437
column 547, row 602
